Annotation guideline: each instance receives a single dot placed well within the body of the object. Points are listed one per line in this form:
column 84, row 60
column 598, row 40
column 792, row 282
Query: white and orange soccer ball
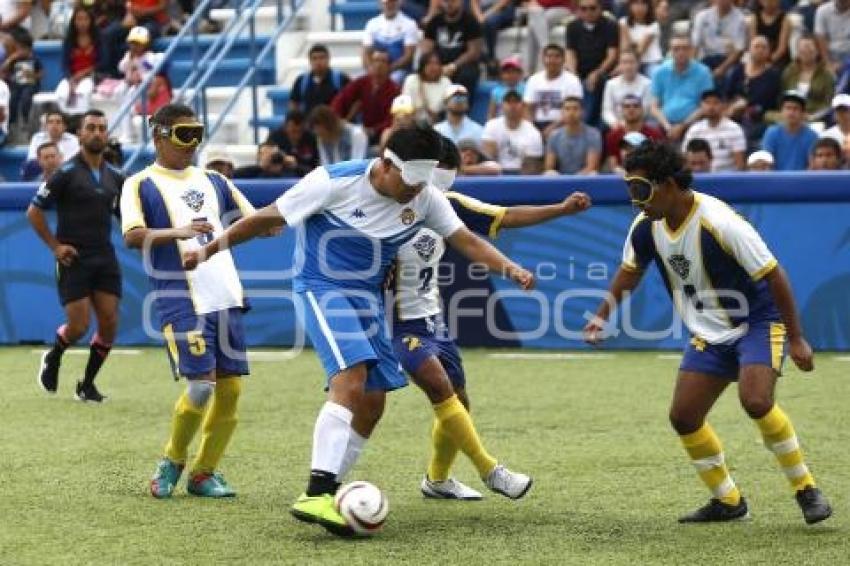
column 364, row 507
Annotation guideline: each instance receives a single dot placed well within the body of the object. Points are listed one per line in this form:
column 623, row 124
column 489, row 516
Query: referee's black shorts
column 89, row 273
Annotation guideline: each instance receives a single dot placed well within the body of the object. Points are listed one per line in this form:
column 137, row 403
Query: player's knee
column 756, row 404
column 76, row 329
column 199, row 391
column 463, row 397
column 107, row 323
column 682, row 422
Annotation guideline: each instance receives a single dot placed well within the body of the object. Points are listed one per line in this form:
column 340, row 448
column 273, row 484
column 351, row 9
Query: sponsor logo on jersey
column 425, row 245
column 680, row 264
column 194, row 199
column 408, row 216
column 358, row 213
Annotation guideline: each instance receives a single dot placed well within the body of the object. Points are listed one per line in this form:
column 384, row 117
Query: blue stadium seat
column 228, row 73
column 50, row 55
column 279, row 98
column 480, row 101
column 355, row 13
column 11, row 159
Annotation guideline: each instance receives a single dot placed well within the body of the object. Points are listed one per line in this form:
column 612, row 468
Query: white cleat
column 505, row 482
column 448, row 489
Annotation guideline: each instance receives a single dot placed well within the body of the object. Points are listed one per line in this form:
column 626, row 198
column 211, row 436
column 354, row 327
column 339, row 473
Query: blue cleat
column 165, row 478
column 210, row 485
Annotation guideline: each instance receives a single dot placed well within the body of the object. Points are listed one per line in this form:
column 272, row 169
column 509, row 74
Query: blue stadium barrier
column 804, row 217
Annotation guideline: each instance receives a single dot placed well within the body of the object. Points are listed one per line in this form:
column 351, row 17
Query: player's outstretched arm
column 520, row 216
column 625, row 281
column 262, row 222
column 783, row 296
column 481, row 251
column 141, row 237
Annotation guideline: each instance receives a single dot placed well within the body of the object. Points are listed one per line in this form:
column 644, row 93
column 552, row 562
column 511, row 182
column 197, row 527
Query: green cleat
column 320, row 509
column 209, row 485
column 165, row 478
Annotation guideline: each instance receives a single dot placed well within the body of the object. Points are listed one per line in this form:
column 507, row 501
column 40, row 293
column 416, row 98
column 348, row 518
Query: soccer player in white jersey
column 167, row 209
column 737, row 303
column 429, row 354
column 352, row 217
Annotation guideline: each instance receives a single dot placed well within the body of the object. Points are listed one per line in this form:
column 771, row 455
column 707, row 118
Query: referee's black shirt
column 85, row 201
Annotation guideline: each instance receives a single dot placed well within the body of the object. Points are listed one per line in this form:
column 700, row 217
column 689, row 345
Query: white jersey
column 348, row 232
column 158, row 197
column 417, row 294
column 713, row 265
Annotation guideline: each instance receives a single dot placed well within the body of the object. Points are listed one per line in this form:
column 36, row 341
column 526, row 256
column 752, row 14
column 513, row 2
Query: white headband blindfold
column 443, row 179
column 414, row 172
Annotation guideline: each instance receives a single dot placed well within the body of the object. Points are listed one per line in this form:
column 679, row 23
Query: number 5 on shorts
column 197, row 344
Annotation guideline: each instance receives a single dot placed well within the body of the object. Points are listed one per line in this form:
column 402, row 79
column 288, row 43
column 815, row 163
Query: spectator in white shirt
column 336, row 139
column 832, row 29
column 725, row 137
column 4, row 112
column 628, row 83
column 639, row 32
column 54, row 131
column 512, row 141
column 14, row 13
column 427, row 88
column 840, row 132
column 720, row 37
column 546, row 90
column 395, row 33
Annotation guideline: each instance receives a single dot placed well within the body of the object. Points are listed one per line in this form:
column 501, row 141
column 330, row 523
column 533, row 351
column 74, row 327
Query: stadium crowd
column 739, row 84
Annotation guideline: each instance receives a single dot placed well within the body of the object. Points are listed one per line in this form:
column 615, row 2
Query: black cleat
column 88, row 393
column 814, row 505
column 715, row 511
column 48, row 373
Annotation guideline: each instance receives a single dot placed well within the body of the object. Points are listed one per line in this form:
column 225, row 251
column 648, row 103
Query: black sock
column 59, row 346
column 97, row 355
column 321, row 482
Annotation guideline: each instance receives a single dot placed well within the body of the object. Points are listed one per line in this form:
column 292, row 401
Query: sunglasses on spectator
column 641, row 189
column 182, row 135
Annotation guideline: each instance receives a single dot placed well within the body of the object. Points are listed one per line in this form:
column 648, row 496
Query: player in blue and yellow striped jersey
column 428, row 353
column 737, row 303
column 167, row 209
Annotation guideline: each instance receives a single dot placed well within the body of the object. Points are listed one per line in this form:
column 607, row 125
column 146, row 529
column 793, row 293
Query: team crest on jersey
column 680, row 264
column 194, row 199
column 408, row 216
column 412, row 343
column 425, row 246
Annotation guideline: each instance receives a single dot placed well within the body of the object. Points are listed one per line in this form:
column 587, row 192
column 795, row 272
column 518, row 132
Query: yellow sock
column 455, row 421
column 443, row 453
column 703, row 446
column 218, row 425
column 184, row 425
column 780, row 438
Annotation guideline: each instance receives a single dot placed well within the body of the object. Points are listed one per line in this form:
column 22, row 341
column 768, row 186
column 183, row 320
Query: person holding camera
column 271, row 163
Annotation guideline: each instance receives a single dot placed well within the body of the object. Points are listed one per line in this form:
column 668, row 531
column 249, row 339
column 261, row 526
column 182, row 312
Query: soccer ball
column 363, row 506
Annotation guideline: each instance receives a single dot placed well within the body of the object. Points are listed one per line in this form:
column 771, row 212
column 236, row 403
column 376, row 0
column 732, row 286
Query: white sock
column 331, row 437
column 352, row 453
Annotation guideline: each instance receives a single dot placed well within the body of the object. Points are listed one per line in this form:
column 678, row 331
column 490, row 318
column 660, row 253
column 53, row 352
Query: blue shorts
column 417, row 340
column 199, row 344
column 764, row 344
column 349, row 327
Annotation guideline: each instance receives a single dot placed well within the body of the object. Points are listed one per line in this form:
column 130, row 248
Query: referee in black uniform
column 85, row 191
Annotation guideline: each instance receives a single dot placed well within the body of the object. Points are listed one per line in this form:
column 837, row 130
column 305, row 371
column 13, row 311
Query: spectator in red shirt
column 371, row 96
column 80, row 61
column 633, row 121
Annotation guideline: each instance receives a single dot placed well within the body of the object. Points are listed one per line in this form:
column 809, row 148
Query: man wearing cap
column 220, row 162
column 792, row 141
column 513, row 141
column 726, row 137
column 510, row 74
column 352, row 219
column 458, row 126
column 633, row 122
column 760, row 160
column 840, row 132
column 403, row 114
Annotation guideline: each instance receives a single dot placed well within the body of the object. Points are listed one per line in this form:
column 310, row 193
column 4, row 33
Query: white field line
column 549, row 356
column 85, row 351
